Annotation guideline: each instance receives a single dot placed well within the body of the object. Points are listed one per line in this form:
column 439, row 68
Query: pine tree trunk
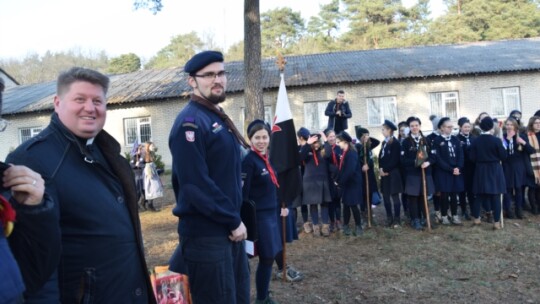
column 252, row 62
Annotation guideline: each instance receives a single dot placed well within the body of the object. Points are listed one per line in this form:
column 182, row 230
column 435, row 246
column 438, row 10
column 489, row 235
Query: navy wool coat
column 316, row 189
column 488, row 152
column 349, row 179
column 413, row 174
column 449, row 155
column 515, row 165
column 389, row 159
column 468, row 164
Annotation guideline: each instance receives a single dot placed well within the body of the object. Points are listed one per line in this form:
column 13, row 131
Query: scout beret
column 442, row 121
column 303, row 132
column 486, row 124
column 202, row 59
column 255, row 123
column 462, row 121
column 390, row 125
column 360, row 131
column 344, row 136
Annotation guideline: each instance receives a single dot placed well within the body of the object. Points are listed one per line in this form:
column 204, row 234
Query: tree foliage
column 34, row 68
column 125, row 63
column 281, row 29
column 177, row 52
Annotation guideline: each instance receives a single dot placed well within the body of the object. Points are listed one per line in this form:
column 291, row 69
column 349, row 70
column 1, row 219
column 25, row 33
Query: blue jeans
column 217, row 269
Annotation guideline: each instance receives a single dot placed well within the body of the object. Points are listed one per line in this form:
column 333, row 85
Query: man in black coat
column 93, row 187
column 338, row 111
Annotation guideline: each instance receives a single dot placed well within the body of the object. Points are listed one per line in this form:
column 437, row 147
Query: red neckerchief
column 7, row 216
column 268, row 167
column 315, row 156
column 334, row 158
column 342, row 158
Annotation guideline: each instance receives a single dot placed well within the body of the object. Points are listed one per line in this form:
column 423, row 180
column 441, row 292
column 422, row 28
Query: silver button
column 138, row 292
column 120, row 199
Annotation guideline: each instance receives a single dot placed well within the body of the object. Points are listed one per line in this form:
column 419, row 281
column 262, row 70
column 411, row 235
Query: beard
column 216, row 99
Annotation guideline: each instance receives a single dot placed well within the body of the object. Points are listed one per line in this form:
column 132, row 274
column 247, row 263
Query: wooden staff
column 368, row 201
column 283, row 234
column 502, row 217
column 425, row 198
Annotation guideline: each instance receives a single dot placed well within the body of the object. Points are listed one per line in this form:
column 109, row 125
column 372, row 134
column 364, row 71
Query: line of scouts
column 469, row 171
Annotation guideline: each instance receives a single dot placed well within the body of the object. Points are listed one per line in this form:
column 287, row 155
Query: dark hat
column 537, row 113
column 202, row 59
column 344, row 136
column 462, row 121
column 486, row 124
column 303, row 132
column 390, row 125
column 360, row 131
column 257, row 122
column 514, row 112
column 413, row 118
column 442, row 121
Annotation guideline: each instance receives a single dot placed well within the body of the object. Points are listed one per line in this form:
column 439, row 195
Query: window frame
column 33, row 132
column 322, row 120
column 381, row 114
column 506, row 108
column 138, row 129
column 444, row 102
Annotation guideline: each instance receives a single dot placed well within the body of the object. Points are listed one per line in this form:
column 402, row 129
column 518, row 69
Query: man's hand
column 425, row 164
column 284, row 212
column 312, row 139
column 27, row 186
column 365, row 168
column 239, row 234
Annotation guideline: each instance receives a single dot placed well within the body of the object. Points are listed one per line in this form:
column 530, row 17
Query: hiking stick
column 284, row 226
column 502, row 214
column 425, row 198
column 368, row 201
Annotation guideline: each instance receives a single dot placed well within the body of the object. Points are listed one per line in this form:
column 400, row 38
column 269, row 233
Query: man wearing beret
column 338, row 111
column 206, row 175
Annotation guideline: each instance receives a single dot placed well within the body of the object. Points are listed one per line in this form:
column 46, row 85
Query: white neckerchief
column 386, row 139
column 450, row 146
column 467, row 138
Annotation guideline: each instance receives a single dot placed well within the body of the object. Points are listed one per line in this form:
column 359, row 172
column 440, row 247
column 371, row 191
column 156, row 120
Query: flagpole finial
column 281, row 62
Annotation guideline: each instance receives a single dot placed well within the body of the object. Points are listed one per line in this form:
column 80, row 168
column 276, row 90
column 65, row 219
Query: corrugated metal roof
column 339, row 67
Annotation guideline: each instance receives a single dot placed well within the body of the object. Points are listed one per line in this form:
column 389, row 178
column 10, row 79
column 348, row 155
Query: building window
column 27, row 133
column 268, row 117
column 314, row 118
column 137, row 129
column 504, row 100
column 445, row 104
column 381, row 108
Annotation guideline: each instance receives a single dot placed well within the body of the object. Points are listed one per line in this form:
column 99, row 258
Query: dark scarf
column 212, row 107
column 268, row 167
column 334, row 158
column 342, row 159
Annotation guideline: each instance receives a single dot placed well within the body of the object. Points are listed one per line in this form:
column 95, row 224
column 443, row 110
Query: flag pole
column 281, row 62
column 368, row 192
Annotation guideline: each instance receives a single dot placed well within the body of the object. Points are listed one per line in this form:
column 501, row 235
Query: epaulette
column 189, row 122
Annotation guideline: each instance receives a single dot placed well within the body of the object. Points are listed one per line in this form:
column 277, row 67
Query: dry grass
column 451, row 264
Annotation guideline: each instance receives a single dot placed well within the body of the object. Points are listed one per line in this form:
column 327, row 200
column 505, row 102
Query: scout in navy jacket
column 364, row 155
column 487, row 152
column 448, row 178
column 466, row 197
column 515, row 166
column 390, row 174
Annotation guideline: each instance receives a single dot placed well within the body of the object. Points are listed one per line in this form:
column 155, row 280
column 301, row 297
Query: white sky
column 35, row 26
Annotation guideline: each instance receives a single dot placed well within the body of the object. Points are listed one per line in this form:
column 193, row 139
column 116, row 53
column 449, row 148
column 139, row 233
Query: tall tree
column 375, row 23
column 177, row 52
column 328, row 22
column 252, row 61
column 281, row 28
column 125, row 63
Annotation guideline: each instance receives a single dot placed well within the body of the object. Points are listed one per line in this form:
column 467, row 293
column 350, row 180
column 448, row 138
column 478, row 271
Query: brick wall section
column 412, row 99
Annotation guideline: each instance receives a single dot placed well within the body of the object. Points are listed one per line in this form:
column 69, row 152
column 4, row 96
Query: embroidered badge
column 442, row 143
column 264, row 172
column 216, row 127
column 402, row 152
column 190, row 136
column 433, row 151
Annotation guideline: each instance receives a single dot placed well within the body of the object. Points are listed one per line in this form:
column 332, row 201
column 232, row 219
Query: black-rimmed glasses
column 212, row 75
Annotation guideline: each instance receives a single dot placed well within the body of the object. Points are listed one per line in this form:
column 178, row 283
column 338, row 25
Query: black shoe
column 519, row 213
column 389, row 222
column 509, row 214
column 416, row 224
column 534, row 209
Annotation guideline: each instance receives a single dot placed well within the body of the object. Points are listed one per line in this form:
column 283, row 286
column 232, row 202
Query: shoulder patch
column 189, row 122
column 190, row 136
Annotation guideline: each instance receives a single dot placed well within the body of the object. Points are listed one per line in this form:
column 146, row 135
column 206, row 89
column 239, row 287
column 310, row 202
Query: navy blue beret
column 202, row 59
column 257, row 122
column 303, row 132
column 390, row 125
column 442, row 121
column 360, row 131
column 344, row 136
column 486, row 124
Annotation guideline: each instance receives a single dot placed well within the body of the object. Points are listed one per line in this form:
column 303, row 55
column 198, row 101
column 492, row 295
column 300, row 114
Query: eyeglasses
column 3, row 124
column 212, row 75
